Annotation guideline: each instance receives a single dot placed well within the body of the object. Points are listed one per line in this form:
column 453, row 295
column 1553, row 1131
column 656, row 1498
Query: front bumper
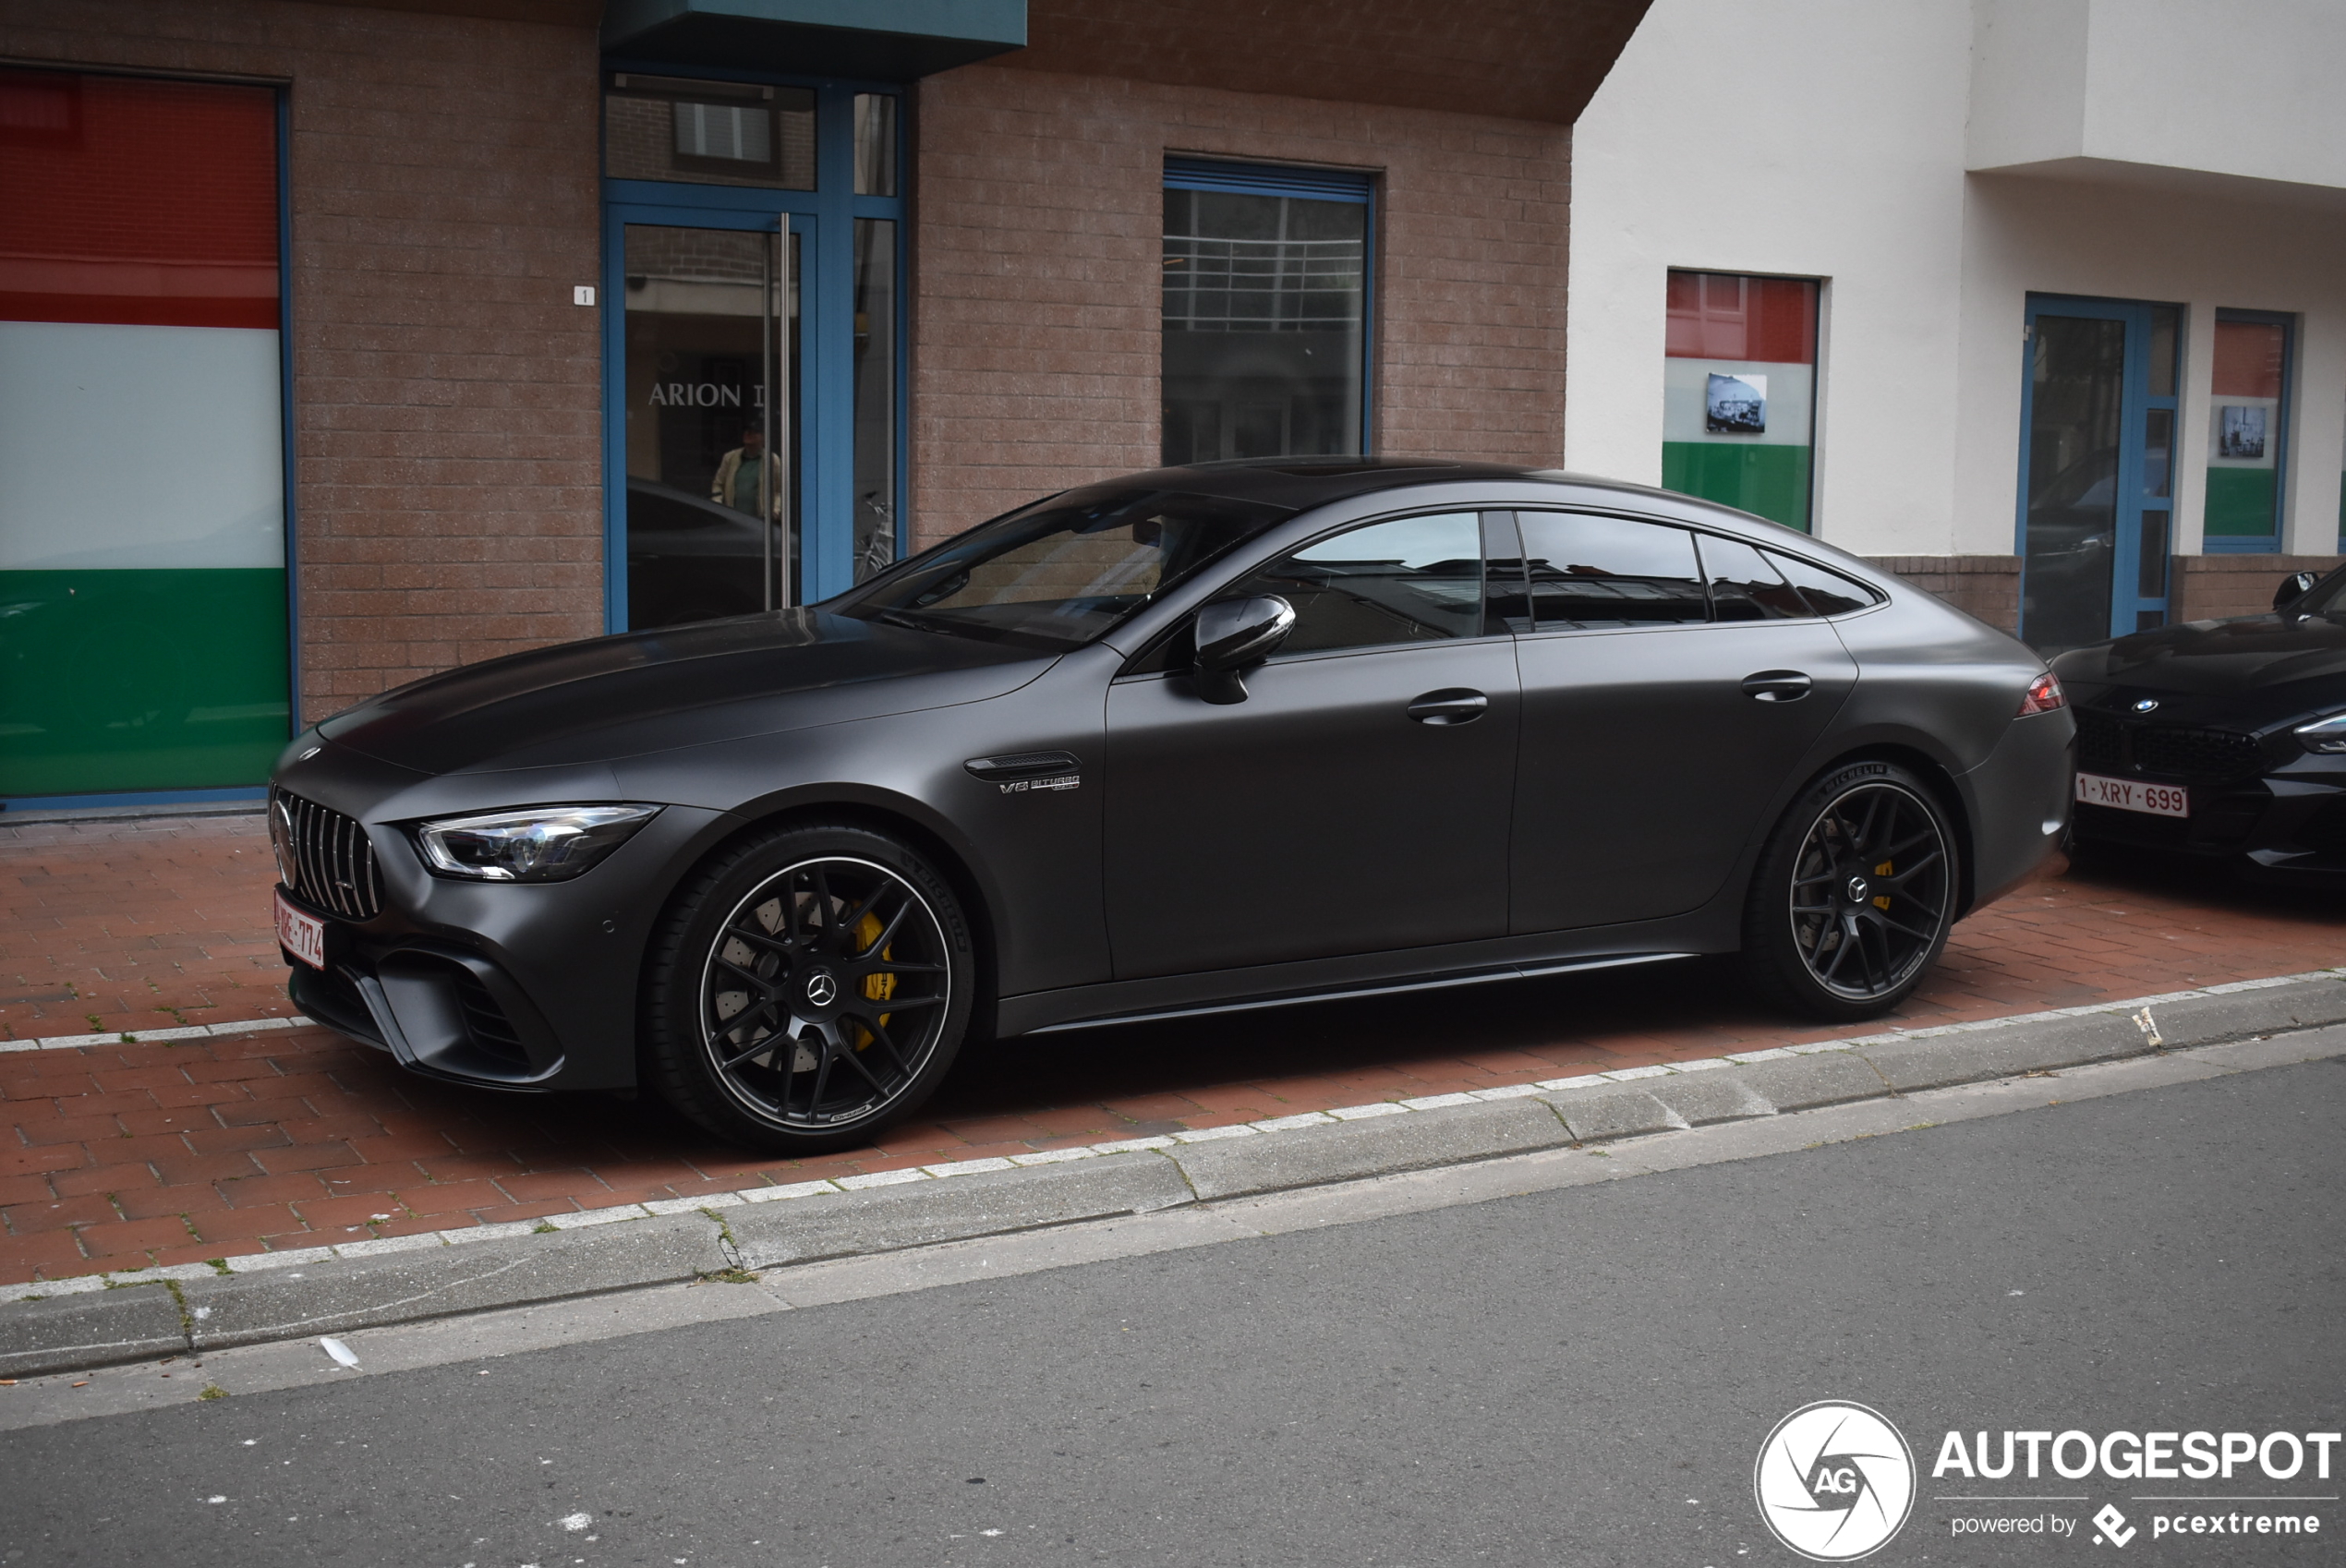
column 2289, row 823
column 507, row 985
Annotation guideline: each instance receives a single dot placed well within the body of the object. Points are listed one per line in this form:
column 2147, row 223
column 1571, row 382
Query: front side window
column 1060, row 573
column 1406, row 580
column 1738, row 393
column 1264, row 312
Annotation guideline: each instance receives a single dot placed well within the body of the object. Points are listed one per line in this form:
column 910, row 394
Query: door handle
column 1452, row 705
column 1776, row 686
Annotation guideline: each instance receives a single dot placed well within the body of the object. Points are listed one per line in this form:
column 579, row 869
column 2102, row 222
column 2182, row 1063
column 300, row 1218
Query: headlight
column 2324, row 734
column 541, row 844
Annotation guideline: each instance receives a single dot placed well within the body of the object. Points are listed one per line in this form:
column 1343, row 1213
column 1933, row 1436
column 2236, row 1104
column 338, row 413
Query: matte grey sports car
column 1205, row 738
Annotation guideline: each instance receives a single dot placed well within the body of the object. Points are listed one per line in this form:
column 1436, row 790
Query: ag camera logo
column 1834, row 1481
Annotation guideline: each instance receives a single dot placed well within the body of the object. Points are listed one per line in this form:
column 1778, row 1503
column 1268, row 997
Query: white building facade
column 2042, row 302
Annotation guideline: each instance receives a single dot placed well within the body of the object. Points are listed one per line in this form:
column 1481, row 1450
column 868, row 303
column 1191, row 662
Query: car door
column 1355, row 802
column 1659, row 720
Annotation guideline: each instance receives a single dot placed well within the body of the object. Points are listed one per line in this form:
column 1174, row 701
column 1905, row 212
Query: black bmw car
column 2220, row 740
column 1233, row 735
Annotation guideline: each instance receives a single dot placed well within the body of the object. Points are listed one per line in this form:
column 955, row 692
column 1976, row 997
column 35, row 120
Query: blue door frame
column 2130, row 609
column 822, row 218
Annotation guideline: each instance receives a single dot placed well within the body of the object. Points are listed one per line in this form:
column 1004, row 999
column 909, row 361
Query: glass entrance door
column 2097, row 498
column 711, row 357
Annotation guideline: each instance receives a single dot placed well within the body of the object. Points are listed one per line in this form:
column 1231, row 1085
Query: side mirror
column 2294, row 587
column 1233, row 634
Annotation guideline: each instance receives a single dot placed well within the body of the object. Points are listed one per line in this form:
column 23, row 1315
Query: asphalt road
column 1576, row 1377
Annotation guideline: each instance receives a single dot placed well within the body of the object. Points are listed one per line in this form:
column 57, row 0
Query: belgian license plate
column 303, row 935
column 2129, row 794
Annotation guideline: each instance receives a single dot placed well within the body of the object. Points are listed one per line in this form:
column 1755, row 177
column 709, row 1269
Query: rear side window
column 1589, row 571
column 1829, row 592
column 1745, row 588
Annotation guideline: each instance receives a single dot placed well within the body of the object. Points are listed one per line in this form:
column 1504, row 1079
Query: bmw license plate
column 303, row 935
column 2130, row 794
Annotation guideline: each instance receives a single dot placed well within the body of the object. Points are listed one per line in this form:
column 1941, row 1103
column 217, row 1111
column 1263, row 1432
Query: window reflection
column 1262, row 314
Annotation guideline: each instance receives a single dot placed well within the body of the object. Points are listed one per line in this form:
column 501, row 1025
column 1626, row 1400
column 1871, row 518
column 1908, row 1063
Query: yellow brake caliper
column 876, row 987
column 1881, row 901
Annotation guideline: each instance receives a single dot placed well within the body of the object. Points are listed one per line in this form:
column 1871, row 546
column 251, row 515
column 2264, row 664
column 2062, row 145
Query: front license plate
column 303, row 935
column 2128, row 794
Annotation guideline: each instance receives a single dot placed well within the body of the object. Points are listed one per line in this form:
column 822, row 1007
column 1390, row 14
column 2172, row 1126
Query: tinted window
column 1609, row 571
column 1411, row 580
column 1062, row 571
column 1828, row 591
column 1745, row 588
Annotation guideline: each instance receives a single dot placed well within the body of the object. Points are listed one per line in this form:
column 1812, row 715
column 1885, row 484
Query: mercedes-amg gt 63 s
column 1205, row 738
column 2221, row 741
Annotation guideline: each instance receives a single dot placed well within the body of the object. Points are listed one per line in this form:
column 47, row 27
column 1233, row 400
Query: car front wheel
column 1854, row 895
column 807, row 988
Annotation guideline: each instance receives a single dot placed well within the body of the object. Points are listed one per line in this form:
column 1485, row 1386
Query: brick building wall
column 446, row 428
column 1037, row 258
column 2209, row 588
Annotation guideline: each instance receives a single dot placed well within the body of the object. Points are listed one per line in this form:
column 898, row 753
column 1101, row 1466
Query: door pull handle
column 1776, row 686
column 1452, row 705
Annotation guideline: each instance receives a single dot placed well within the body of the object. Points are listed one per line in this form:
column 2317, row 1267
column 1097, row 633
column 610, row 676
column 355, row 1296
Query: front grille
column 2100, row 745
column 2195, row 753
column 331, row 859
column 2106, row 745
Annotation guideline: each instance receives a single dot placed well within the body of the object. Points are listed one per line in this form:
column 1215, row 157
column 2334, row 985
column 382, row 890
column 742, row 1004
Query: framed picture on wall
column 1734, row 405
column 2241, row 433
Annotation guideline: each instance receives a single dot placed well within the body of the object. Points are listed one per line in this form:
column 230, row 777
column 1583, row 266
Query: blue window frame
column 823, row 221
column 1268, row 310
column 2098, row 412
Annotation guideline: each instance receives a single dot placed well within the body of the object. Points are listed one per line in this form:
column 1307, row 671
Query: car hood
column 2256, row 670
column 618, row 696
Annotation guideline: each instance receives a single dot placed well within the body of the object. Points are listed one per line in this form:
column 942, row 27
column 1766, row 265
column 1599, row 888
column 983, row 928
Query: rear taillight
column 2044, row 695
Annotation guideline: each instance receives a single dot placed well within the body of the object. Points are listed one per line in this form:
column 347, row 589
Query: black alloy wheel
column 1854, row 896
column 807, row 989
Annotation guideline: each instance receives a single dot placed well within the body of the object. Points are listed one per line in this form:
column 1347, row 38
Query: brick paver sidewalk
column 115, row 1156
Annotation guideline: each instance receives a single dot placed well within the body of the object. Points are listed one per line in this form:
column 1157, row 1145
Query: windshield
column 1062, row 572
column 2326, row 597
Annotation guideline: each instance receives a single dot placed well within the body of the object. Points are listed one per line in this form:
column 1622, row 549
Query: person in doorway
column 737, row 481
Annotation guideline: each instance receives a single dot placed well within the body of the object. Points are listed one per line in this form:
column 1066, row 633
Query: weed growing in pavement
column 730, row 1276
column 542, row 1228
column 217, row 1265
column 212, row 1390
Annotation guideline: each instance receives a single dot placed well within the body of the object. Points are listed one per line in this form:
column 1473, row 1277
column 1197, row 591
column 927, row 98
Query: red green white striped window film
column 2247, row 428
column 1739, row 392
column 142, row 519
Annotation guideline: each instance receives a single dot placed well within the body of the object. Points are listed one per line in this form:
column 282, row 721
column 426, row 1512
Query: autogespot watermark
column 1835, row 1481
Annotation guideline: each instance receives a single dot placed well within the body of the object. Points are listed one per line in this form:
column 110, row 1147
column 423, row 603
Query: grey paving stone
column 97, row 1328
column 1828, row 1078
column 1700, row 1098
column 351, row 1293
column 1377, row 1146
column 882, row 1219
column 1596, row 1115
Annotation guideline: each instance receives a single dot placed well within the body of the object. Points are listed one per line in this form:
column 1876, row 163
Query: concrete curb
column 98, row 1320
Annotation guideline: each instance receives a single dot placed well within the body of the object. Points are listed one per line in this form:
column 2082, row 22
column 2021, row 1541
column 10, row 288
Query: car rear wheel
column 806, row 989
column 1854, row 895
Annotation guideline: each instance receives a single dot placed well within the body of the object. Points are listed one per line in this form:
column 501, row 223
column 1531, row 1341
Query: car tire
column 1854, row 895
column 806, row 988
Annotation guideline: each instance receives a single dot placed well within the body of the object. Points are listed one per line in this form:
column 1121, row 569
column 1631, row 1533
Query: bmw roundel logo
column 2145, row 705
column 1834, row 1481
